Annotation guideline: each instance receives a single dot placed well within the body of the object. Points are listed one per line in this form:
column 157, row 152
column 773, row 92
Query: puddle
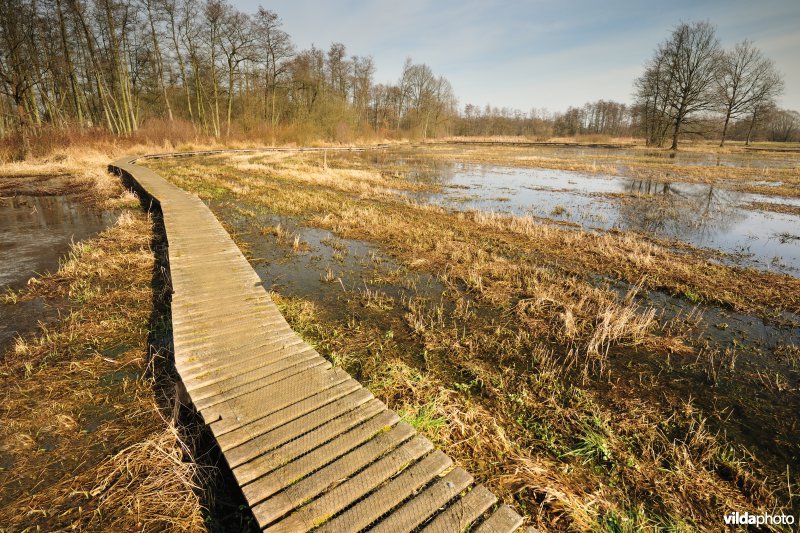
column 325, row 266
column 35, row 233
column 705, row 216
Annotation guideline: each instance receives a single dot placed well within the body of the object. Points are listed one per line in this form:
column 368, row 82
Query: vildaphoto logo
column 747, row 519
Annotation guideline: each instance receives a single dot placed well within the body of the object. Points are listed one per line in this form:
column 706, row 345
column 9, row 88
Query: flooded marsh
column 594, row 347
column 84, row 443
column 35, row 234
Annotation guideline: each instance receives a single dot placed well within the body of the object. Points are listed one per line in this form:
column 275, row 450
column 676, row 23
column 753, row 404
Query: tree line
column 114, row 64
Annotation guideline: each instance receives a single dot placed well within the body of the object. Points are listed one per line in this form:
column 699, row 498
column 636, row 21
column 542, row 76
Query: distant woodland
column 202, row 67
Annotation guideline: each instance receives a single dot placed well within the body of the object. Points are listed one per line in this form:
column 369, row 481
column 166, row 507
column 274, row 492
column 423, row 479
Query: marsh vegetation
column 598, row 376
column 87, row 439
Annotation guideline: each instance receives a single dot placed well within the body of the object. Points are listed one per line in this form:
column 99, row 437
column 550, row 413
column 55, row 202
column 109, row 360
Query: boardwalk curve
column 309, row 446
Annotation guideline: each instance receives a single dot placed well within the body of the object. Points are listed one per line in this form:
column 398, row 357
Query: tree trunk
column 725, row 128
column 750, row 129
column 159, row 60
column 230, row 100
column 675, row 137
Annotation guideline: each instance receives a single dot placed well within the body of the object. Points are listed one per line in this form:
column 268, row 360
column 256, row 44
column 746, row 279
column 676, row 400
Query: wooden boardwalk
column 309, row 446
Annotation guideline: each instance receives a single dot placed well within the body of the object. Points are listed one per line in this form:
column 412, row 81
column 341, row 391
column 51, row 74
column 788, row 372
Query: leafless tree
column 678, row 83
column 276, row 50
column 783, row 125
column 745, row 80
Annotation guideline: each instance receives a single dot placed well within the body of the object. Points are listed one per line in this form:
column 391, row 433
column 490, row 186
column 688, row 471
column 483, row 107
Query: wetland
column 602, row 336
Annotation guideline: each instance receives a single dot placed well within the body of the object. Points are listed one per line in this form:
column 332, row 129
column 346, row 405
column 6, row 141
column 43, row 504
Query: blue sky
column 535, row 54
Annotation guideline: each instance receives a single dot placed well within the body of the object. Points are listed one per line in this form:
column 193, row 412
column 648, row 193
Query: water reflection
column 35, row 232
column 698, row 214
column 681, row 211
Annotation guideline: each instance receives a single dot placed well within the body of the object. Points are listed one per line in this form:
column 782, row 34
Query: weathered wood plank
column 390, row 495
column 463, row 512
column 270, row 421
column 303, row 490
column 264, row 464
column 333, row 501
column 503, row 520
column 308, row 445
column 426, row 503
column 265, row 442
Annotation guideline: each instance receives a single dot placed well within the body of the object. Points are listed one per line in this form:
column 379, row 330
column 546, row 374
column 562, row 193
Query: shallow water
column 35, row 233
column 697, row 214
column 357, row 267
column 701, row 215
column 326, row 267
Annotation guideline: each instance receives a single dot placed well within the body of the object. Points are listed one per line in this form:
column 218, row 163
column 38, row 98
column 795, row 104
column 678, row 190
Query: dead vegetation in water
column 83, row 440
column 505, row 407
column 523, row 393
column 382, row 215
column 775, row 207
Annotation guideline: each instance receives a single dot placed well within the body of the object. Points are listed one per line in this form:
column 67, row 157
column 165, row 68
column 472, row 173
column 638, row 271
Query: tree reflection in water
column 682, row 211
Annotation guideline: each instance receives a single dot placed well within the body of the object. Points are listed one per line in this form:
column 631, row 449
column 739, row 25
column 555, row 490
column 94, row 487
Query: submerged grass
column 528, row 368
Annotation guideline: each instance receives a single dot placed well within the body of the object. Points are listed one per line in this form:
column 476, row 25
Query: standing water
column 35, row 233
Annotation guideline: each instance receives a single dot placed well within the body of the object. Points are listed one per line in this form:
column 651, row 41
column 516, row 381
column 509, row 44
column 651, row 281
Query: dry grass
column 558, row 452
column 516, row 370
column 82, row 427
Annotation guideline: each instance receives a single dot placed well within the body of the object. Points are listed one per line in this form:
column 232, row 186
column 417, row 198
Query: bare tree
column 277, row 50
column 783, row 125
column 237, row 43
column 678, row 83
column 151, row 6
column 116, row 63
column 16, row 57
column 745, row 80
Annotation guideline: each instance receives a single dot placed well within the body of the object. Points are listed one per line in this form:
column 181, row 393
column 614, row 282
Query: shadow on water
column 225, row 506
column 35, row 234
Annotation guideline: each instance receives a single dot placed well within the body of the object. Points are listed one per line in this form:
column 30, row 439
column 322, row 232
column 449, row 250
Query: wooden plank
column 258, row 404
column 424, row 504
column 463, row 511
column 230, row 356
column 504, row 520
column 260, row 444
column 257, row 369
column 214, row 391
column 270, row 421
column 346, row 464
column 264, row 464
column 389, row 495
column 336, row 499
column 305, row 441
